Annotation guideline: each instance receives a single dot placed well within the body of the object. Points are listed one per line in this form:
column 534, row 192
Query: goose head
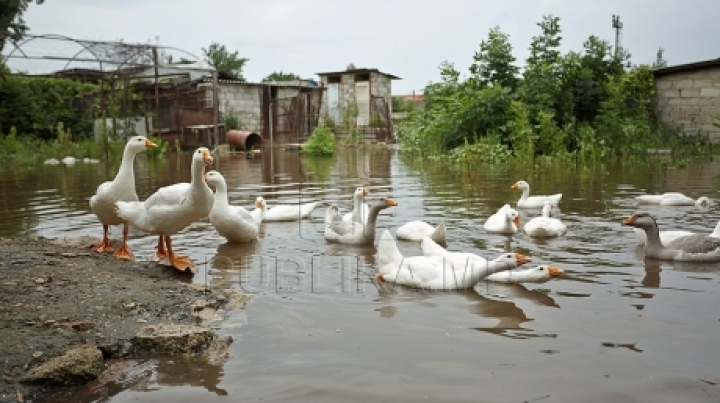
column 381, row 204
column 139, row 144
column 260, row 203
column 522, row 185
column 360, row 193
column 202, row 155
column 513, row 216
column 641, row 219
column 214, row 178
column 543, row 273
column 512, row 259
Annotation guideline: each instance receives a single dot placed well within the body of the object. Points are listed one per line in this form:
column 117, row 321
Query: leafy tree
column 494, row 61
column 225, row 62
column 12, row 25
column 544, row 48
column 281, row 76
column 541, row 86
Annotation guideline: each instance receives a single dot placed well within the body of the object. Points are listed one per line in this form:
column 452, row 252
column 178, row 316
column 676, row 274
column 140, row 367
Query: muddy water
column 615, row 328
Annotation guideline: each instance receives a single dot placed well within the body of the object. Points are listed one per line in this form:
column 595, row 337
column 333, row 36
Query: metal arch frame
column 86, row 46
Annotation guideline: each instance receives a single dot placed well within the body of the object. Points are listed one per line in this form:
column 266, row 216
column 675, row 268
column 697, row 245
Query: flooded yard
column 615, row 328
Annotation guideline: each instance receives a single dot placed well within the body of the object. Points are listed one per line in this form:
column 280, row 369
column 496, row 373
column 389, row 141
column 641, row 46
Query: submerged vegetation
column 587, row 105
column 321, row 143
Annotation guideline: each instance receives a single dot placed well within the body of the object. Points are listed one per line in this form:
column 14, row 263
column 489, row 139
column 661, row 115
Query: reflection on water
column 320, row 329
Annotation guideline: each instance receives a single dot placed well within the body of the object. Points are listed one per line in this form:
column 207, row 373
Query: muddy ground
column 56, row 295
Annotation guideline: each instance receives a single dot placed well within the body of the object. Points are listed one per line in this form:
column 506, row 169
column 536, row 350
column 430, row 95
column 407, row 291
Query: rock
column 236, row 300
column 204, row 310
column 217, row 352
column 173, row 338
column 81, row 325
column 116, row 349
column 76, row 366
column 40, row 280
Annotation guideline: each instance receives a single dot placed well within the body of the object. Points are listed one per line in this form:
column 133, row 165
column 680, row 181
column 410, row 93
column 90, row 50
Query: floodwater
column 616, row 328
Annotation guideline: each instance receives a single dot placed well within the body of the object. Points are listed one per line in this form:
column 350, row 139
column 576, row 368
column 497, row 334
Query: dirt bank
column 56, row 295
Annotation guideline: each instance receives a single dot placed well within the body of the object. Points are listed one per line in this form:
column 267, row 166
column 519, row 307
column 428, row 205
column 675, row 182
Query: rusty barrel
column 245, row 140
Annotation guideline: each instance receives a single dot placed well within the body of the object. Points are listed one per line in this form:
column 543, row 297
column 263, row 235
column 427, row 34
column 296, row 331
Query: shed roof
column 359, row 71
column 681, row 68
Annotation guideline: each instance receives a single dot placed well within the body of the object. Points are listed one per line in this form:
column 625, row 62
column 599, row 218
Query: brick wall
column 690, row 100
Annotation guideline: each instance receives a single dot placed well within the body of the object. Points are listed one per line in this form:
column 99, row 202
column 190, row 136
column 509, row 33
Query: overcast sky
column 406, row 38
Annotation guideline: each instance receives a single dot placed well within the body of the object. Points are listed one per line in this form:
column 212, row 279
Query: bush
column 321, row 143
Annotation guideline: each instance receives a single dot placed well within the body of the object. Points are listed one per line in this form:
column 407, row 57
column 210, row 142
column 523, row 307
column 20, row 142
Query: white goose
column 122, row 188
column 172, row 208
column 360, row 208
column 437, row 272
column 233, row 223
column 690, row 248
column 416, row 230
column 505, row 221
column 538, row 274
column 528, row 201
column 354, row 233
column 545, row 226
column 672, row 199
column 668, row 236
column 288, row 212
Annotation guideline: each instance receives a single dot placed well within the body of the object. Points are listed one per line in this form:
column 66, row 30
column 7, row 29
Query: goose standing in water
column 122, row 188
column 172, row 208
column 354, row 233
column 689, row 248
column 528, row 201
column 233, row 223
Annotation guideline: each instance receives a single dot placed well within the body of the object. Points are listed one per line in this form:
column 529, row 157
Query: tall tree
column 494, row 62
column 12, row 25
column 281, row 76
column 225, row 62
column 542, row 83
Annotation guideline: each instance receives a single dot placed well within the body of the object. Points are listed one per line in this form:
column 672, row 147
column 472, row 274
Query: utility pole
column 617, row 25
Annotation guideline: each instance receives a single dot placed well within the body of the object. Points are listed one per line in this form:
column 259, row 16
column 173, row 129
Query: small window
column 273, row 92
column 362, row 77
column 334, row 79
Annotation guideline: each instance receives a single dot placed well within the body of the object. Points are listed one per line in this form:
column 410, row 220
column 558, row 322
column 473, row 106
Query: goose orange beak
column 207, row 158
column 514, row 186
column 521, row 259
column 555, row 271
column 390, row 202
column 365, row 192
column 149, row 144
column 629, row 221
column 258, row 204
column 516, row 221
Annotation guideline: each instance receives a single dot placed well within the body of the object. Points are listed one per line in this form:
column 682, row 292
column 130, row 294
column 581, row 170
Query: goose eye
column 138, row 140
column 542, row 268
